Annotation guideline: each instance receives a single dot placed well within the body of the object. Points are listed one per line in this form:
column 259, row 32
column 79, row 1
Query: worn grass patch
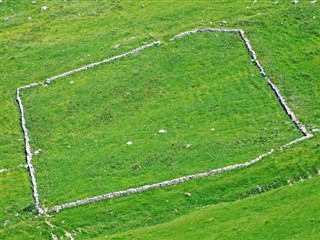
column 202, row 89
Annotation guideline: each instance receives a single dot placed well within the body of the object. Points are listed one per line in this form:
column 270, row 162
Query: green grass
column 187, row 87
column 73, row 33
column 275, row 215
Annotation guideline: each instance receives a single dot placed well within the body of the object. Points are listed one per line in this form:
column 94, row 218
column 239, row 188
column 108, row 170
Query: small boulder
column 162, row 131
column 187, row 194
column 44, row 8
column 223, row 23
column 187, row 145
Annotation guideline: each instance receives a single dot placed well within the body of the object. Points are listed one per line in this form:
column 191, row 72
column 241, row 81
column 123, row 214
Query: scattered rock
column 313, row 2
column 129, row 143
column 213, row 129
column 6, row 19
column 23, row 165
column 315, row 130
column 29, row 18
column 37, row 151
column 289, row 182
column 223, row 23
column 187, row 145
column 187, row 194
column 44, row 8
column 33, row 2
column 295, row 1
column 3, row 170
column 116, row 46
column 6, row 223
column 71, row 82
column 162, row 131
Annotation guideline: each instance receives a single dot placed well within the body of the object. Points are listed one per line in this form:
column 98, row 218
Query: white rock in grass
column 6, row 223
column 213, row 129
column 187, row 145
column 44, row 8
column 129, row 143
column 71, row 82
column 162, row 131
column 223, row 23
column 187, row 194
column 295, row 1
column 3, row 170
column 315, row 130
column 313, row 2
column 37, row 151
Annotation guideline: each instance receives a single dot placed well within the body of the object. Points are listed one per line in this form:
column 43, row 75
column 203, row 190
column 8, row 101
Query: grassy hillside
column 74, row 33
column 274, row 215
column 83, row 122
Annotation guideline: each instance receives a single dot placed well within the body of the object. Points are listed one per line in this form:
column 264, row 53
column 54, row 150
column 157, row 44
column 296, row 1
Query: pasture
column 202, row 89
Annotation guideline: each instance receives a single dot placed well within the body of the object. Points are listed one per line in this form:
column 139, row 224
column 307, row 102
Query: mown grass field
column 71, row 34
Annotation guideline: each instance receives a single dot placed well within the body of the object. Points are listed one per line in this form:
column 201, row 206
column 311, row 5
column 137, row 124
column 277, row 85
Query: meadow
column 92, row 113
column 212, row 118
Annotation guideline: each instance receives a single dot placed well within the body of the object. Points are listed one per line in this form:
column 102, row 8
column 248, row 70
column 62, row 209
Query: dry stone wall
column 253, row 55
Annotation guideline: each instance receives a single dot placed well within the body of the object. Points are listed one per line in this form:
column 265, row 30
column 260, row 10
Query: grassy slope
column 185, row 87
column 61, row 39
column 275, row 215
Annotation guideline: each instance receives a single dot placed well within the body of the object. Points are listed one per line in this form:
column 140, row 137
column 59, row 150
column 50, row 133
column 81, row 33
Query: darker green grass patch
column 202, row 89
